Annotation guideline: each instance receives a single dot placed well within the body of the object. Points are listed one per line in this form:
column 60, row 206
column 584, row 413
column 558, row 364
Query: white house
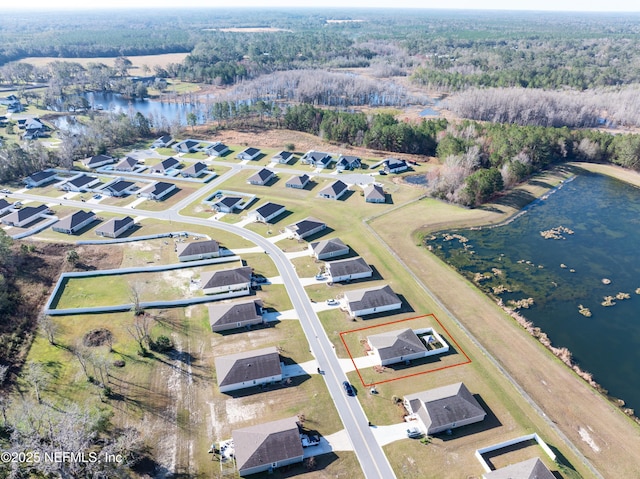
column 25, row 216
column 40, row 178
column 98, row 161
column 5, row 206
column 248, row 369
column 118, row 187
column 249, row 154
column 406, row 344
column 197, row 250
column 374, row 194
column 306, row 227
column 228, row 204
column 162, row 142
column 348, row 270
column 362, row 302
column 334, row 190
column 329, row 248
column 267, row 212
column 115, row 227
column 233, row 315
column 235, row 280
column 394, row 165
column 126, row 164
column 80, row 183
column 74, row 222
column 283, row 157
column 187, row 146
column 261, row 178
column 532, row 468
column 298, row 182
column 195, row 170
column 317, row 159
column 165, row 166
column 157, row 191
column 348, row 163
column 216, row 149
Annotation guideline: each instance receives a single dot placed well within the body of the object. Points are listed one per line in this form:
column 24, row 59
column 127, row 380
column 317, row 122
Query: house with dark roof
column 317, row 159
column 362, row 302
column 532, row 468
column 5, row 206
column 394, row 165
column 197, row 250
column 306, row 227
column 298, row 182
column 233, row 315
column 80, row 183
column 444, row 408
column 165, row 166
column 283, row 157
column 248, row 369
column 329, row 248
column 348, row 269
column 157, row 191
column 228, row 204
column 267, row 212
column 397, row 346
column 126, row 164
column 249, row 154
column 74, row 222
column 8, row 100
column 26, row 215
column 98, row 161
column 118, row 187
column 15, row 107
column 216, row 149
column 40, row 178
column 115, row 227
column 374, row 194
column 195, row 170
column 187, row 146
column 34, row 129
column 267, row 446
column 162, row 142
column 348, row 163
column 334, row 190
column 261, row 178
column 234, row 280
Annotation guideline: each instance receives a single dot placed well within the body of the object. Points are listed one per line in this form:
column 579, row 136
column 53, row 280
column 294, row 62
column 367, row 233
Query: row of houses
column 168, row 166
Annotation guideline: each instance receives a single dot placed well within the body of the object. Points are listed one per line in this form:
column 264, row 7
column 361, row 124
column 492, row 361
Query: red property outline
column 468, row 360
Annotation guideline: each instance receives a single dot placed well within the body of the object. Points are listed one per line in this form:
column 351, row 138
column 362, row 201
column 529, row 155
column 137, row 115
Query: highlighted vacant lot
column 356, row 344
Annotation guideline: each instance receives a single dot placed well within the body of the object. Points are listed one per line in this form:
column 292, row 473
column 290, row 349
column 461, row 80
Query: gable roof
column 303, row 227
column 283, row 155
column 264, row 444
column 225, row 277
column 348, row 161
column 348, row 266
column 317, row 156
column 4, row 204
column 197, row 247
column 371, row 298
column 187, row 143
column 194, row 169
column 250, row 151
column 95, row 160
column 24, row 213
column 248, row 365
column 268, row 209
column 233, row 313
column 158, row 188
column 334, row 189
column 114, row 224
column 261, row 176
column 119, row 186
column 374, row 192
column 127, row 163
column 298, row 180
column 393, row 163
column 164, row 139
column 165, row 165
column 41, row 175
column 445, row 405
column 218, row 147
column 532, row 468
column 229, row 201
column 328, row 246
column 81, row 180
column 393, row 344
column 74, row 219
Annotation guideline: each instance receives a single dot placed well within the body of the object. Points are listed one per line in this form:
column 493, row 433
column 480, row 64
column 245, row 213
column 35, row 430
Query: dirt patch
column 97, row 337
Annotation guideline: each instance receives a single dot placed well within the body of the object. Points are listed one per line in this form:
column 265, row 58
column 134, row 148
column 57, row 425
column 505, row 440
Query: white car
column 332, row 302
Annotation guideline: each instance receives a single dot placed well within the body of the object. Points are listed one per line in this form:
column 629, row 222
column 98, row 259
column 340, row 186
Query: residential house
column 334, row 190
column 348, row 269
column 216, row 149
column 157, row 191
column 348, row 163
column 394, row 165
column 197, row 250
column 165, row 166
column 227, row 204
column 362, row 302
column 329, row 248
column 306, row 227
column 15, row 107
column 374, row 194
column 234, row 280
column 249, row 154
column 317, row 159
column 187, row 146
column 532, row 468
column 238, row 314
column 261, row 178
column 40, row 178
column 34, row 129
column 444, row 408
column 5, row 206
column 118, row 187
column 3, row 120
column 162, row 142
column 98, row 161
column 298, row 182
column 8, row 100
column 126, row 164
column 267, row 446
column 80, row 183
column 406, row 344
column 283, row 157
column 74, row 222
column 267, row 212
column 115, row 227
column 248, row 369
column 195, row 170
column 26, row 215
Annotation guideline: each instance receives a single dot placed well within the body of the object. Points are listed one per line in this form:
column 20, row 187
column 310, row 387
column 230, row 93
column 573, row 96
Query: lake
column 561, row 252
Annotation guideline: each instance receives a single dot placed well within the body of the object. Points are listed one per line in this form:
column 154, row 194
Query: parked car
column 332, row 302
column 414, row 433
column 348, row 388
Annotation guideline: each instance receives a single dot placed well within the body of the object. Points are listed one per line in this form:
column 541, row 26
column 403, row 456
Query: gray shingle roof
column 374, row 192
column 218, row 147
column 304, row 226
column 24, row 213
column 165, row 165
column 94, row 160
column 334, row 189
column 298, row 180
column 233, row 313
column 367, row 298
column 119, row 186
column 348, row 266
column 157, row 189
column 74, row 219
column 197, row 247
column 81, row 181
column 261, row 176
column 394, row 344
column 268, row 209
column 225, row 277
column 4, row 204
column 42, row 175
column 114, row 224
column 530, row 469
column 229, row 201
column 284, row 155
column 248, row 366
column 267, row 443
column 194, row 169
column 328, row 246
column 126, row 163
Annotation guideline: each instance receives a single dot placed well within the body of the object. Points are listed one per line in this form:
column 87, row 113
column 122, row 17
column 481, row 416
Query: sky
column 551, row 5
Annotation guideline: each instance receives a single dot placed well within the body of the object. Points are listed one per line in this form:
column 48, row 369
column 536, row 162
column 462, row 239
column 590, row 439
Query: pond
column 416, row 180
column 573, row 253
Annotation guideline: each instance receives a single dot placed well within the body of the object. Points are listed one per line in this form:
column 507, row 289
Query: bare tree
column 134, row 295
column 48, row 327
column 139, row 330
column 83, row 355
column 4, row 372
column 38, row 377
column 101, row 365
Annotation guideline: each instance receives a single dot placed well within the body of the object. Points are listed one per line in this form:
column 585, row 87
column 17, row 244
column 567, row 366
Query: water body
column 416, row 180
column 599, row 239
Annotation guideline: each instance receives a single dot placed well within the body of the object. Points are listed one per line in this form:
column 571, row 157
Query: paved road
column 373, row 461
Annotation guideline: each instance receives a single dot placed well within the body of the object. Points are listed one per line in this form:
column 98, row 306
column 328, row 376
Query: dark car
column 348, row 388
